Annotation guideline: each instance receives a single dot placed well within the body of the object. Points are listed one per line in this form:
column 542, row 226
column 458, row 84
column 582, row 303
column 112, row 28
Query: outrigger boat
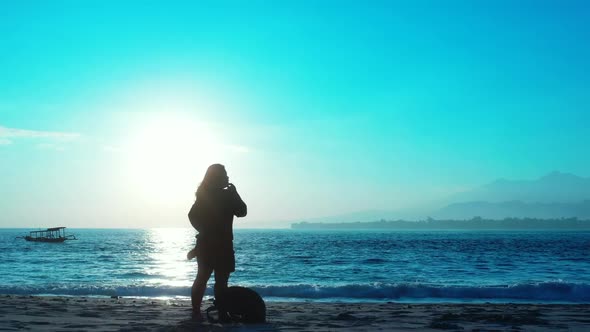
column 55, row 234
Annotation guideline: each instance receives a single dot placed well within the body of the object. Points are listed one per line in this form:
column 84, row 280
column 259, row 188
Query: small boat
column 55, row 234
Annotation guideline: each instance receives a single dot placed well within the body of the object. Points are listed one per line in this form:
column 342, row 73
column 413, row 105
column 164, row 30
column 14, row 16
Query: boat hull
column 42, row 239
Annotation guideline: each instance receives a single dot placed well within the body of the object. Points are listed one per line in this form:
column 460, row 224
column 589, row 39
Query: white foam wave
column 547, row 291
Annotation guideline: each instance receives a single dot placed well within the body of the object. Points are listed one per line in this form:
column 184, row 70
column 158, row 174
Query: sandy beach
column 36, row 313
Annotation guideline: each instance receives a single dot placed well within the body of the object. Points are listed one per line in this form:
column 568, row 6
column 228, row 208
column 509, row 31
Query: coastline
column 51, row 313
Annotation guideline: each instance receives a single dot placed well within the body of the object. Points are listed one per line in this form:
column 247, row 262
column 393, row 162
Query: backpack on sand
column 239, row 304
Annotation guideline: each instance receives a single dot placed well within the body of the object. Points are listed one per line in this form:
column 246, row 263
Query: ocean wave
column 546, row 291
column 375, row 261
column 95, row 290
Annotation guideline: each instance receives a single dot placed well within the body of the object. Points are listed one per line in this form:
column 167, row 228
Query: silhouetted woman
column 212, row 215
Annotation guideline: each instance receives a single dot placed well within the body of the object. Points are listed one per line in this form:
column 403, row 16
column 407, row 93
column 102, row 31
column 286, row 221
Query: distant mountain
column 555, row 187
column 555, row 195
column 570, row 224
column 514, row 209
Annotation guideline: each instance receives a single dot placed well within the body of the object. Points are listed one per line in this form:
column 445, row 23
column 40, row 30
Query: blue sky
column 111, row 111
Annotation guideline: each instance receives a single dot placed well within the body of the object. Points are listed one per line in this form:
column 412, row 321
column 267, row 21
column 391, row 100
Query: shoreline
column 339, row 300
column 79, row 313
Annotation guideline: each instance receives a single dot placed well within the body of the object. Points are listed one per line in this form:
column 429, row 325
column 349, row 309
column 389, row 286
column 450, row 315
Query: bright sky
column 110, row 111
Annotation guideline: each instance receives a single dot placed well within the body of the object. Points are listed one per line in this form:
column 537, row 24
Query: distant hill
column 555, row 187
column 570, row 224
column 514, row 209
column 555, row 195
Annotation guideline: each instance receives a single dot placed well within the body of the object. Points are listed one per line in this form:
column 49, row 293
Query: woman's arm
column 240, row 208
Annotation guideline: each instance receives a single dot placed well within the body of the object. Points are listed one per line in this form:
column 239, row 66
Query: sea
column 300, row 265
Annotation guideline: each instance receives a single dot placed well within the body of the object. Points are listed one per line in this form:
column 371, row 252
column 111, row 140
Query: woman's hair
column 215, row 177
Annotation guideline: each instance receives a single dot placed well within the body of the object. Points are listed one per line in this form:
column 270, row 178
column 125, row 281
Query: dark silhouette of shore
column 475, row 223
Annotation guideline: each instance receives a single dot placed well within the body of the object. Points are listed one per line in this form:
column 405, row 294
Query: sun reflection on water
column 169, row 265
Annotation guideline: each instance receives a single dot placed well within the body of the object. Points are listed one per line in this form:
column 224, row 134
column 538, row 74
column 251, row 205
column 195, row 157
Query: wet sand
column 36, row 313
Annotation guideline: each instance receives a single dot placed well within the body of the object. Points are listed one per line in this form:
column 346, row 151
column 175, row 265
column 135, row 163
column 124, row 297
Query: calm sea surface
column 310, row 265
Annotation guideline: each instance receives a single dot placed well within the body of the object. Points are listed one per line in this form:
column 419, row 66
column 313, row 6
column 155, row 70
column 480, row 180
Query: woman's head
column 215, row 178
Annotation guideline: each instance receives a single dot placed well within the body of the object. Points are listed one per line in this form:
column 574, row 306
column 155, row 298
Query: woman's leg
column 199, row 286
column 221, row 278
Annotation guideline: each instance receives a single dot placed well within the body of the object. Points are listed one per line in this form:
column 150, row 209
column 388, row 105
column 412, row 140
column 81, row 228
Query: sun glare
column 167, row 154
